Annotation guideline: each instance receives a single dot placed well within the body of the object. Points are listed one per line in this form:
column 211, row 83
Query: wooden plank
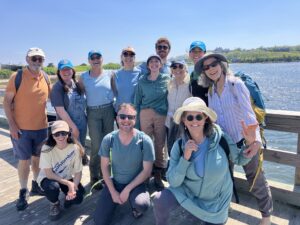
column 282, row 157
column 279, row 120
column 297, row 171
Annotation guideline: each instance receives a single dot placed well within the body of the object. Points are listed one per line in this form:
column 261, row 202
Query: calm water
column 280, row 85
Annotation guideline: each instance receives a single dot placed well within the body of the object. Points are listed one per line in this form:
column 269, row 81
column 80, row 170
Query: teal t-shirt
column 127, row 161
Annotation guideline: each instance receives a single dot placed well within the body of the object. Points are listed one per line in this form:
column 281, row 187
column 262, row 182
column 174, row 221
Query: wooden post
column 297, row 170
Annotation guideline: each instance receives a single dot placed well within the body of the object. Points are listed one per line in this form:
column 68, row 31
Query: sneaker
column 35, row 189
column 22, row 201
column 54, row 213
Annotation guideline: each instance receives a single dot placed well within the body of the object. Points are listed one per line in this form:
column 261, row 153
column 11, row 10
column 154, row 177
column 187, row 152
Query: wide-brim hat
column 59, row 125
column 199, row 65
column 194, row 104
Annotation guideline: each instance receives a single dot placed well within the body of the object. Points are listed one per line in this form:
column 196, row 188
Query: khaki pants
column 153, row 124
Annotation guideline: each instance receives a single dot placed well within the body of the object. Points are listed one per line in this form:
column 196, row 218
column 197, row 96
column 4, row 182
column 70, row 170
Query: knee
column 142, row 202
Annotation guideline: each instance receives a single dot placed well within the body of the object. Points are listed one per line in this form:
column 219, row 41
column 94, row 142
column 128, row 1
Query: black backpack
column 223, row 143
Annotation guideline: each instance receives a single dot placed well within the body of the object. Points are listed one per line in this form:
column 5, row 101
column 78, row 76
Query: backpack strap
column 179, row 145
column 224, row 144
column 18, row 79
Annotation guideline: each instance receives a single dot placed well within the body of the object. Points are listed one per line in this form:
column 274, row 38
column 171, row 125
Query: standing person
column 230, row 99
column 69, row 101
column 25, row 108
column 152, row 106
column 61, row 168
column 124, row 81
column 198, row 174
column 197, row 50
column 100, row 112
column 130, row 154
column 178, row 90
column 162, row 48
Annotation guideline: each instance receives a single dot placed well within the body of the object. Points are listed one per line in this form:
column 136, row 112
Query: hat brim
column 194, row 108
column 199, row 65
column 55, row 130
column 65, row 66
column 31, row 54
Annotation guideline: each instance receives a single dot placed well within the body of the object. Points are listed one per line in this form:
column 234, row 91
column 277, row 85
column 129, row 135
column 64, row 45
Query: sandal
column 136, row 214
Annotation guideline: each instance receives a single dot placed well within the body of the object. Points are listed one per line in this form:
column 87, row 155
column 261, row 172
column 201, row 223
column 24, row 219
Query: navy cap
column 94, row 52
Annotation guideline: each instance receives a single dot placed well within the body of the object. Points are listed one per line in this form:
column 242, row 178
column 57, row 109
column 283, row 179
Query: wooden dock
column 286, row 198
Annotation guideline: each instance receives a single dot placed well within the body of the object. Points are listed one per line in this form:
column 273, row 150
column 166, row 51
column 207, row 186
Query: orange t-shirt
column 30, row 101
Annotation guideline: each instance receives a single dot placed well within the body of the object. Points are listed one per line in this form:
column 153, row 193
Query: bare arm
column 105, row 168
column 65, row 116
column 80, row 82
column 8, row 105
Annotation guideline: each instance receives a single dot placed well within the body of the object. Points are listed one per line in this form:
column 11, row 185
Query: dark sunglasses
column 95, row 57
column 162, row 47
column 39, row 59
column 198, row 117
column 124, row 116
column 130, row 54
column 213, row 64
column 61, row 133
column 174, row 67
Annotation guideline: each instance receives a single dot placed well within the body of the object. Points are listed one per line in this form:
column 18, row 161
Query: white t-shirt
column 64, row 162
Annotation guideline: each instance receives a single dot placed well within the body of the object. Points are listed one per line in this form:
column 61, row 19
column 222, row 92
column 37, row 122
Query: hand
column 124, row 195
column 72, row 191
column 190, row 146
column 14, row 131
column 252, row 149
column 249, row 132
column 116, row 197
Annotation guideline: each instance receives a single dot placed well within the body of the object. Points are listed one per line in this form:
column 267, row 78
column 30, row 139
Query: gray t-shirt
column 127, row 161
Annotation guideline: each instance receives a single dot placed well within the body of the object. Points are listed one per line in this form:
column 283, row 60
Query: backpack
column 223, row 143
column 19, row 75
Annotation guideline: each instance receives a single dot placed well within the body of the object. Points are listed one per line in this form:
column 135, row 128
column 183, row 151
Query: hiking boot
column 22, row 201
column 35, row 189
column 54, row 213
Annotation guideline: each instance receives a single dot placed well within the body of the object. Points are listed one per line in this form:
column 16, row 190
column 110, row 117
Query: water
column 280, row 86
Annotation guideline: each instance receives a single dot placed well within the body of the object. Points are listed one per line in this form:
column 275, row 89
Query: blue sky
column 70, row 28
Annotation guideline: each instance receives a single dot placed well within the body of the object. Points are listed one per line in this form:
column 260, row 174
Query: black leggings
column 52, row 189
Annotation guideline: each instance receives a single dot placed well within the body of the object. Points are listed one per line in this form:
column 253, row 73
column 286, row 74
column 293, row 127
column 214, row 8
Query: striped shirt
column 233, row 106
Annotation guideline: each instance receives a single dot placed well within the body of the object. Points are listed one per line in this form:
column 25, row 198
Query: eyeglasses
column 174, row 67
column 128, row 54
column 198, row 117
column 61, row 133
column 124, row 116
column 39, row 59
column 95, row 57
column 162, row 47
column 212, row 65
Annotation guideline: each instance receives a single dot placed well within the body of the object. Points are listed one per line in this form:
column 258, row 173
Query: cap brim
column 199, row 64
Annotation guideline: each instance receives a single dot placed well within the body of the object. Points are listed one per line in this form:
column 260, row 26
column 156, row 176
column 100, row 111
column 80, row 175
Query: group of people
column 170, row 124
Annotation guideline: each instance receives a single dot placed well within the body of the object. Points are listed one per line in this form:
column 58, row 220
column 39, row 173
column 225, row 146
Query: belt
column 100, row 106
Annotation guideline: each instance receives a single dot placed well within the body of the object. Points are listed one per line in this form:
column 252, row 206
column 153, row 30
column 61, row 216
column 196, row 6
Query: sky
column 69, row 29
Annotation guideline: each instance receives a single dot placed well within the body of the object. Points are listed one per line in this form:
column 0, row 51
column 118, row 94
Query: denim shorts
column 29, row 143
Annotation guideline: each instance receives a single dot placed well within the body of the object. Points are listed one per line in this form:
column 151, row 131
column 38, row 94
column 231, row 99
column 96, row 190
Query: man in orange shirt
column 24, row 107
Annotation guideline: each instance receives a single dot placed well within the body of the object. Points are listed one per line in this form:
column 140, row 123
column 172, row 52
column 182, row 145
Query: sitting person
column 198, row 173
column 61, row 168
column 130, row 154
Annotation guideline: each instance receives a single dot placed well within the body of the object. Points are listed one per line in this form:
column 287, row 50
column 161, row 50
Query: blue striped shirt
column 233, row 106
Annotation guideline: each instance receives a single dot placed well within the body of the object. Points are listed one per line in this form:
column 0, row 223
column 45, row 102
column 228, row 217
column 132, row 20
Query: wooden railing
column 286, row 121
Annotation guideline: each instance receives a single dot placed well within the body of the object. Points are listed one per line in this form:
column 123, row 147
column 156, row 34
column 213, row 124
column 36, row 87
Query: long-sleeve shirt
column 233, row 106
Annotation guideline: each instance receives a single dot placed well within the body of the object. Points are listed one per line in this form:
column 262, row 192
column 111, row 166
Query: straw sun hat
column 194, row 104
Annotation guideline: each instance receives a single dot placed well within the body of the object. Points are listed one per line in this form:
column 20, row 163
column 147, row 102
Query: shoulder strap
column 224, row 144
column 46, row 77
column 18, row 79
column 179, row 145
column 113, row 83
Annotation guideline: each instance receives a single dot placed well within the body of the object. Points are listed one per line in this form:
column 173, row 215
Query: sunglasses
column 128, row 54
column 95, row 57
column 61, row 133
column 39, row 59
column 124, row 116
column 198, row 117
column 162, row 47
column 212, row 65
column 174, row 67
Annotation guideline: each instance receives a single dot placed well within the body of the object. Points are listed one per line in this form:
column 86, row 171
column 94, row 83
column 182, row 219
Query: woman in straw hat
column 198, row 173
column 230, row 99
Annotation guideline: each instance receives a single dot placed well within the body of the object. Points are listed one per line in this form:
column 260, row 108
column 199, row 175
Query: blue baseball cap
column 65, row 63
column 198, row 44
column 94, row 52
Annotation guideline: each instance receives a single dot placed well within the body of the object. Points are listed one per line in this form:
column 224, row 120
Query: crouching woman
column 198, row 173
column 61, row 168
